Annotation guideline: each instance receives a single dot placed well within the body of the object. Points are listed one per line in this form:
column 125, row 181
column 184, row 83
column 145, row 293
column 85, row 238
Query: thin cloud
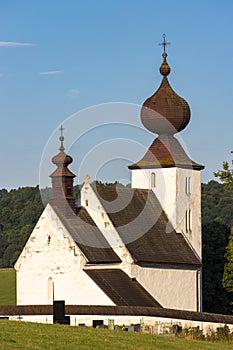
column 14, row 44
column 52, row 72
column 72, row 92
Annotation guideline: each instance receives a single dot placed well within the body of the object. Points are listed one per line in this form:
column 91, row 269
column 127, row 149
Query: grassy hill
column 7, row 287
column 25, row 335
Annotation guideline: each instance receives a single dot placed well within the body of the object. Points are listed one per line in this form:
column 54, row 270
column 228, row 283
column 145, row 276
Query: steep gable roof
column 88, row 237
column 121, row 289
column 144, row 227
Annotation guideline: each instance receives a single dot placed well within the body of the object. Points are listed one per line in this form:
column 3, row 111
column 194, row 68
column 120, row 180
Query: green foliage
column 217, row 203
column 217, row 218
column 7, row 287
column 192, row 333
column 223, row 332
column 228, row 269
column 214, row 239
column 226, row 174
column 19, row 212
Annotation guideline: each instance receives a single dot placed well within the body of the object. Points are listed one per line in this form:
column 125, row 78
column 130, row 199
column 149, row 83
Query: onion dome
column 165, row 112
column 62, row 181
column 62, row 160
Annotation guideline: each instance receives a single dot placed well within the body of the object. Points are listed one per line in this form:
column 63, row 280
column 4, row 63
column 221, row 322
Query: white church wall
column 140, row 178
column 172, row 288
column 51, row 265
column 189, row 207
column 164, row 187
column 179, row 193
column 90, row 201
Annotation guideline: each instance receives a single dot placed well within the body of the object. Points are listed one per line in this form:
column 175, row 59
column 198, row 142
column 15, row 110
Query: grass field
column 7, row 287
column 25, row 335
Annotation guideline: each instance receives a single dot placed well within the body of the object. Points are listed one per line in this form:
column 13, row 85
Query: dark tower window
column 68, row 191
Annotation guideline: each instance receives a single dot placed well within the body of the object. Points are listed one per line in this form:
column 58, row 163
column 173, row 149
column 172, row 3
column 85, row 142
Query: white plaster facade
column 179, row 193
column 51, row 265
column 174, row 288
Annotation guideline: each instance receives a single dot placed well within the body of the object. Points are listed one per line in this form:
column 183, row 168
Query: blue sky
column 58, row 57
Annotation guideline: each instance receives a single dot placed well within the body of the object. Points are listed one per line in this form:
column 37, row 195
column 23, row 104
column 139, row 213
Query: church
column 138, row 246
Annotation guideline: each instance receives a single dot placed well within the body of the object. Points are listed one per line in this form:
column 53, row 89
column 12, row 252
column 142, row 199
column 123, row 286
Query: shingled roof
column 165, row 152
column 121, row 289
column 144, row 227
column 88, row 237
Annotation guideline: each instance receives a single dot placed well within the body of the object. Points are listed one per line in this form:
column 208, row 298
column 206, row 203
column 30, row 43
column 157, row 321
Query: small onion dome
column 165, row 112
column 62, row 160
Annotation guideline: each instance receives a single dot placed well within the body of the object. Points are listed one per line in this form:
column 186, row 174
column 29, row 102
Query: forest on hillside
column 21, row 208
column 217, row 219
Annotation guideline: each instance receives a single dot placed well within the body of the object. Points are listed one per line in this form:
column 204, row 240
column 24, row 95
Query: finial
column 61, row 138
column 164, row 69
column 87, row 178
column 164, row 43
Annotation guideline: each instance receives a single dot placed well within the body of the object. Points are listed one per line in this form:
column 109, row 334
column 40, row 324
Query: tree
column 227, row 280
column 226, row 174
column 215, row 297
column 226, row 177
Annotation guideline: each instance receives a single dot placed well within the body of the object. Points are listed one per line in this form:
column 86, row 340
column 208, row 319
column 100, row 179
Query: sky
column 89, row 65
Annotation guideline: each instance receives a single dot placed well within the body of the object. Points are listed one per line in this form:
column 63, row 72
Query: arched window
column 50, row 290
column 152, row 180
column 188, row 223
column 188, row 186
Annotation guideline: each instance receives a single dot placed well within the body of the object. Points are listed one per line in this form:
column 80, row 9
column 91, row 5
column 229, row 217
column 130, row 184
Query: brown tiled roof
column 121, row 289
column 88, row 237
column 144, row 227
column 164, row 152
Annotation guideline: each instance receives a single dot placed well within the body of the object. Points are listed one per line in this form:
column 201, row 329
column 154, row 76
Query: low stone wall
column 155, row 320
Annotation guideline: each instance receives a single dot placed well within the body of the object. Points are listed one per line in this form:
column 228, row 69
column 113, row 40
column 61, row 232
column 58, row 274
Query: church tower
column 62, row 181
column 166, row 168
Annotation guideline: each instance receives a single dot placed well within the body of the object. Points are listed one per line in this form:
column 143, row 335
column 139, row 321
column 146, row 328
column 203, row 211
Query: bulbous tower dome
column 165, row 112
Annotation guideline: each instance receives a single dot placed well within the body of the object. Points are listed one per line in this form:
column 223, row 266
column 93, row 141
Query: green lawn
column 25, row 335
column 7, row 287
